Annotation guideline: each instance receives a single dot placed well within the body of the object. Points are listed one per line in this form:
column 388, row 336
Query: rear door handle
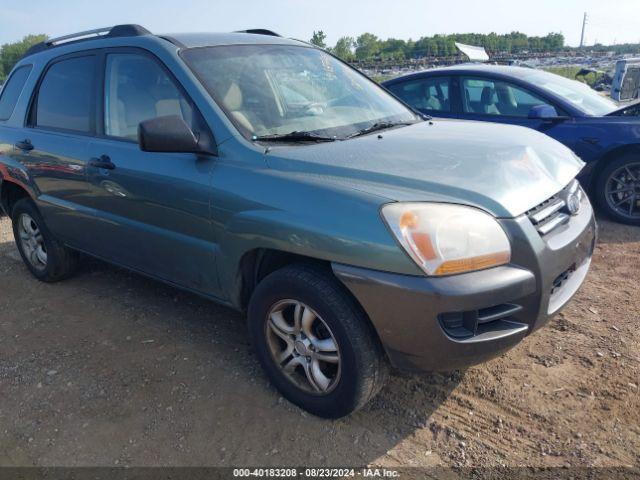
column 103, row 162
column 25, row 145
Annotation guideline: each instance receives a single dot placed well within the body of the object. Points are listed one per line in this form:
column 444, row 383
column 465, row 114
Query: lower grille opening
column 562, row 278
column 461, row 325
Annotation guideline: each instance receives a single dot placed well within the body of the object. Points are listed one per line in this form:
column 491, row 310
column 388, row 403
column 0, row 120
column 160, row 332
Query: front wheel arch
column 603, row 197
column 606, row 159
column 257, row 263
column 360, row 353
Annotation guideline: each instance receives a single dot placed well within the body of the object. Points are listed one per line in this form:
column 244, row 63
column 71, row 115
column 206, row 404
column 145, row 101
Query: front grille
column 554, row 212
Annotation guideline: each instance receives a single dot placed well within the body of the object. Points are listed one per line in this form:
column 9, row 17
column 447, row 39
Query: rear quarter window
column 12, row 90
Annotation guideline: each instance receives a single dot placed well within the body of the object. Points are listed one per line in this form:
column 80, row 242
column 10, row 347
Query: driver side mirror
column 168, row 134
column 544, row 113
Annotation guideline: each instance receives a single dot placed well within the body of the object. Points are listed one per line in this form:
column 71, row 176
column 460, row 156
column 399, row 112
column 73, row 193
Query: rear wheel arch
column 10, row 194
column 48, row 259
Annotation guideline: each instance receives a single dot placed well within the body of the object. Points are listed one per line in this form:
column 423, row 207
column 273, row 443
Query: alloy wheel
column 303, row 346
column 32, row 242
column 622, row 191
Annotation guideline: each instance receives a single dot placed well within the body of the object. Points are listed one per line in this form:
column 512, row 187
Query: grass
column 570, row 72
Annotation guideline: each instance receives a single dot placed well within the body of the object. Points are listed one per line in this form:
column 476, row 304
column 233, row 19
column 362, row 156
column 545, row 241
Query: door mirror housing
column 168, row 134
column 545, row 113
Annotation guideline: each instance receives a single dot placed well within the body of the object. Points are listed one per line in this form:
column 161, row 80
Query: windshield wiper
column 377, row 126
column 295, row 136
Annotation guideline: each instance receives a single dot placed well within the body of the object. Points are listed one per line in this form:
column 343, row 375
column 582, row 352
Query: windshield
column 276, row 90
column 578, row 93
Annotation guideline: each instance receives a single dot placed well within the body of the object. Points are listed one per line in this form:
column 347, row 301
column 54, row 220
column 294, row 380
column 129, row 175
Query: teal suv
column 269, row 176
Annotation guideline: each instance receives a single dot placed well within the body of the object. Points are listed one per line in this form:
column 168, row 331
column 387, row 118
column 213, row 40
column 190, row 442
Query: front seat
column 232, row 101
column 135, row 99
column 488, row 101
column 507, row 103
column 431, row 101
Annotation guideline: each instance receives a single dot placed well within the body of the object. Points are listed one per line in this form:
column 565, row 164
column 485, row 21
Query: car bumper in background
column 445, row 323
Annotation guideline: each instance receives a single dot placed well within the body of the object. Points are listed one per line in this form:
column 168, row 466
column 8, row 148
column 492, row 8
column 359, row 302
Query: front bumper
column 445, row 323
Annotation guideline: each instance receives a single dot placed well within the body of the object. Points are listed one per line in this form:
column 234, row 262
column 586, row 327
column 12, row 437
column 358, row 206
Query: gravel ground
column 110, row 368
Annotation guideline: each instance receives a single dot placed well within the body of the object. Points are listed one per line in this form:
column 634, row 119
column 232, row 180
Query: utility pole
column 584, row 24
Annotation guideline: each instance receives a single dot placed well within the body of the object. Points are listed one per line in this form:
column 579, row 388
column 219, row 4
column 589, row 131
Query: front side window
column 427, row 94
column 495, row 97
column 581, row 95
column 137, row 88
column 12, row 90
column 66, row 94
column 279, row 89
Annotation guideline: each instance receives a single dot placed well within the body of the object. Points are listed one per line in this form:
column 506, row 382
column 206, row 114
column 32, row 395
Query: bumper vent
column 461, row 325
column 554, row 212
column 561, row 279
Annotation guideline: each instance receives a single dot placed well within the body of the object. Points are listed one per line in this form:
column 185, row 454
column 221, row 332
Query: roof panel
column 191, row 40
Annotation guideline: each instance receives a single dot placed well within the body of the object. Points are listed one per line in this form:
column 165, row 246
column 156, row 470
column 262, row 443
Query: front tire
column 618, row 189
column 314, row 342
column 46, row 258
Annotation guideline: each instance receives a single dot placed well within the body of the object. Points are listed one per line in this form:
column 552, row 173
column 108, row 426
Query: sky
column 608, row 21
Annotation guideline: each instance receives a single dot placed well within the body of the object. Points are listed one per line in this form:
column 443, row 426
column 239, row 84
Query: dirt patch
column 112, row 368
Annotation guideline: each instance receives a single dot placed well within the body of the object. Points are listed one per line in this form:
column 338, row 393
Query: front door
column 151, row 209
column 495, row 100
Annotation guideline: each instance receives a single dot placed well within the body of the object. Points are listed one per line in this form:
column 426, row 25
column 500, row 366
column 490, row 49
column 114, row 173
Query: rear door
column 10, row 133
column 54, row 145
column 151, row 209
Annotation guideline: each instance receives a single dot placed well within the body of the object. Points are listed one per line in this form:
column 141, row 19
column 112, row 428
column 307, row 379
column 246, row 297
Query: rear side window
column 425, row 94
column 12, row 90
column 66, row 96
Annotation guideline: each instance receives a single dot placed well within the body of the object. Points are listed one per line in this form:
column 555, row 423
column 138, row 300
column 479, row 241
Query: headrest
column 506, row 95
column 233, row 98
column 487, row 95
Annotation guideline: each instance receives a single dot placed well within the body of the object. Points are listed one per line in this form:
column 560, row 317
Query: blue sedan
column 604, row 135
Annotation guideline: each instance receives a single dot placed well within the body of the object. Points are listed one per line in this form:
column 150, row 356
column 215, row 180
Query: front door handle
column 103, row 162
column 25, row 145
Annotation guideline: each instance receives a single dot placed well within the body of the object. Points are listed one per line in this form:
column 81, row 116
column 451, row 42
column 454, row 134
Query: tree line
column 369, row 47
column 10, row 53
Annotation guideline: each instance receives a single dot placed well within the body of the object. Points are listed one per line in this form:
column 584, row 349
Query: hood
column 503, row 169
column 630, row 110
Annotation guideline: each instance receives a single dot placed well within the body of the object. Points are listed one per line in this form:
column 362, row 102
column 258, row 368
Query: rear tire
column 617, row 189
column 46, row 258
column 331, row 363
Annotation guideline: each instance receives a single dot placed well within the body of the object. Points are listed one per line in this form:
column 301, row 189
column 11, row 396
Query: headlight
column 444, row 239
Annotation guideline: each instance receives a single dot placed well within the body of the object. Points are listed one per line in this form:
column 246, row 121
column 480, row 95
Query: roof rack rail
column 127, row 30
column 260, row 31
